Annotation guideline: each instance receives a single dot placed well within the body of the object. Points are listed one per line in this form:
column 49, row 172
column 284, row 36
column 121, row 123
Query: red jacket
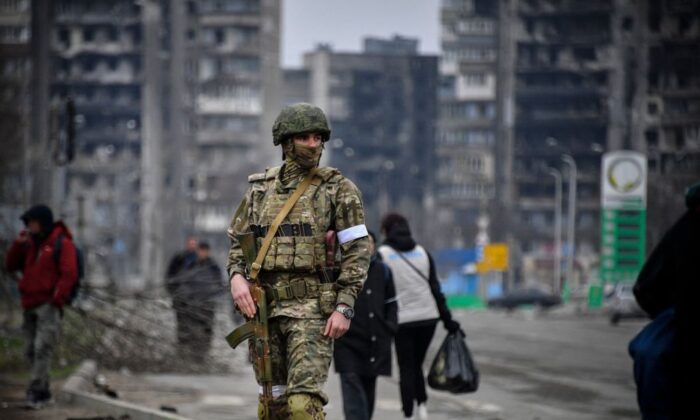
column 44, row 281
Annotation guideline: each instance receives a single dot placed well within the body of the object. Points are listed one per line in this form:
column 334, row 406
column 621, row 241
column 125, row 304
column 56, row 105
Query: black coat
column 670, row 278
column 366, row 348
column 199, row 283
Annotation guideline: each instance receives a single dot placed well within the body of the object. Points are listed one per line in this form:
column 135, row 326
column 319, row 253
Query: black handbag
column 453, row 368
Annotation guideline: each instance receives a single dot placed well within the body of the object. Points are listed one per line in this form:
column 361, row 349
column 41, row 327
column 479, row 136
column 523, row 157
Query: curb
column 75, row 391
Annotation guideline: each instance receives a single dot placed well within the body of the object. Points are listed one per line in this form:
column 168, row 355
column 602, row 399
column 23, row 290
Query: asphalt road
column 553, row 366
column 533, row 366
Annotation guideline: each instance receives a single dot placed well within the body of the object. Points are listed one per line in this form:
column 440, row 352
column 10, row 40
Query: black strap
column 57, row 246
column 286, row 229
column 409, row 263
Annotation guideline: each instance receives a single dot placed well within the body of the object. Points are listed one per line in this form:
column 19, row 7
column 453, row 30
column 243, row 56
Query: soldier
column 304, row 316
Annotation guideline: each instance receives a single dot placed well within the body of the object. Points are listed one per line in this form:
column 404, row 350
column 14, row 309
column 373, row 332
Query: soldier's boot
column 305, row 407
column 277, row 409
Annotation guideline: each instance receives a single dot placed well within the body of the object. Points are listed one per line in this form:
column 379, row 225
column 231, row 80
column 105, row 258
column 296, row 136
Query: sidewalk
column 235, row 397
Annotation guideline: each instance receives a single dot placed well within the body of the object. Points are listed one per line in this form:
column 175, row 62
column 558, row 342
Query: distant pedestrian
column 421, row 304
column 45, row 287
column 667, row 288
column 364, row 352
column 181, row 262
column 195, row 290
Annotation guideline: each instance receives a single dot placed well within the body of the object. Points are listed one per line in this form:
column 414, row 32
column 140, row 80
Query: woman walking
column 364, row 352
column 421, row 305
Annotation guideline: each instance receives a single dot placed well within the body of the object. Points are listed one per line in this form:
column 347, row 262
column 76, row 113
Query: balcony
column 564, row 7
column 537, row 92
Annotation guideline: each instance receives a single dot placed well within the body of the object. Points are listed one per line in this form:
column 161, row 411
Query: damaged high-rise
column 667, row 105
column 382, row 105
column 233, row 53
column 15, row 102
column 170, row 116
column 466, row 188
column 585, row 77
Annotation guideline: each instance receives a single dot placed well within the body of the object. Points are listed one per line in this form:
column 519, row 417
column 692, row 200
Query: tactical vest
column 299, row 244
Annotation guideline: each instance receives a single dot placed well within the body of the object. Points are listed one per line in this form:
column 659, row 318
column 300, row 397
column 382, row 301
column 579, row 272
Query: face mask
column 307, row 157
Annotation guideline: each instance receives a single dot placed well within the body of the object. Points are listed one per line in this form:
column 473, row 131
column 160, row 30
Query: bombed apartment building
column 465, row 177
column 588, row 77
column 168, row 116
column 568, row 70
column 668, row 106
column 15, row 78
column 382, row 104
column 234, row 52
column 96, row 60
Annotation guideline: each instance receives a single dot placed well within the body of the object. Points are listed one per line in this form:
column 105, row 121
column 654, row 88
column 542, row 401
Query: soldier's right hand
column 240, row 291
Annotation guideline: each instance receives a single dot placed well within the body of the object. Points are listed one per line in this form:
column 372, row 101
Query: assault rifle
column 256, row 328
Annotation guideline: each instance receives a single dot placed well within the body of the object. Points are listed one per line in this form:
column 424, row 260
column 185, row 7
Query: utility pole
column 557, row 230
column 151, row 148
column 40, row 148
column 505, row 207
column 571, row 225
column 177, row 150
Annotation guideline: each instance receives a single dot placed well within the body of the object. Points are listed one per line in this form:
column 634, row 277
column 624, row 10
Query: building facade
column 382, row 104
column 170, row 118
column 465, row 177
column 667, row 106
column 15, row 102
column 582, row 78
column 234, row 55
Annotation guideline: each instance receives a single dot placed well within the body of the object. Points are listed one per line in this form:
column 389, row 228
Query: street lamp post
column 557, row 229
column 571, row 226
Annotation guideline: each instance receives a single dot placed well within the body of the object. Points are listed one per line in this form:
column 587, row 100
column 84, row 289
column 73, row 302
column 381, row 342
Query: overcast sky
column 344, row 23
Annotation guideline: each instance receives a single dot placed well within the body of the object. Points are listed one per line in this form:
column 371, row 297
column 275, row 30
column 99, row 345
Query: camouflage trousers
column 301, row 356
column 41, row 327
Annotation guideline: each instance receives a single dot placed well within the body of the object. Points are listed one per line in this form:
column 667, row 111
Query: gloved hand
column 452, row 326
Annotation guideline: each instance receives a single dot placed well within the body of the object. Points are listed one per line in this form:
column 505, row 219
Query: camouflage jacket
column 332, row 202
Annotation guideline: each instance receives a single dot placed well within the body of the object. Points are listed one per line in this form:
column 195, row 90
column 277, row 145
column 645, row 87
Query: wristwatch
column 347, row 311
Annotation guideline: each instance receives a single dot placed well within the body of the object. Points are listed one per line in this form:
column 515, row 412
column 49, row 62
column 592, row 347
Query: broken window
column 652, row 108
column 584, row 53
column 652, row 138
column 88, row 34
column 627, row 23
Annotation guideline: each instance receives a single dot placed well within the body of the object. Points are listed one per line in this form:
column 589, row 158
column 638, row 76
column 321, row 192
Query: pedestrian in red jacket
column 45, row 287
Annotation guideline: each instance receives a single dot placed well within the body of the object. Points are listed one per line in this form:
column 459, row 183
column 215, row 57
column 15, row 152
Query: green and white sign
column 623, row 216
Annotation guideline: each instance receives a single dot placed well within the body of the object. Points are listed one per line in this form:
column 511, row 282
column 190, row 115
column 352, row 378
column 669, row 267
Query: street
column 533, row 366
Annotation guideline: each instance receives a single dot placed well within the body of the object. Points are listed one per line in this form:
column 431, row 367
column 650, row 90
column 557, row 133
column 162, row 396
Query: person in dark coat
column 670, row 279
column 45, row 287
column 179, row 263
column 421, row 305
column 195, row 290
column 364, row 352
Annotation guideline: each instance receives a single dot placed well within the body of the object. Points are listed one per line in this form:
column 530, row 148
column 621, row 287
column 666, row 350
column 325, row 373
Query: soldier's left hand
column 336, row 326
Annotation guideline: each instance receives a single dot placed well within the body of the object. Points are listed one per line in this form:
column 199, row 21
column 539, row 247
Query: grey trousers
column 42, row 326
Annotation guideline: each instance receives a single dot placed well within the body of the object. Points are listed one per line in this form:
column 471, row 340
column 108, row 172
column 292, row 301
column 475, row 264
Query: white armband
column 350, row 234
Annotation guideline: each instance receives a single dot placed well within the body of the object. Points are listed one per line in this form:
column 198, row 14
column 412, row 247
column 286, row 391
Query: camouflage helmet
column 298, row 119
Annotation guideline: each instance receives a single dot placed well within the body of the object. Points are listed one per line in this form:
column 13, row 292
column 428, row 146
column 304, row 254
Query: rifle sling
column 288, row 206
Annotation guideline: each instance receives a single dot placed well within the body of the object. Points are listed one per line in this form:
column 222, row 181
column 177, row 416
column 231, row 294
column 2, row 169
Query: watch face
column 349, row 313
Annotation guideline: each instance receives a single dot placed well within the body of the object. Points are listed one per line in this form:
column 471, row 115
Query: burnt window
column 219, row 36
column 679, row 138
column 653, row 80
column 654, row 16
column 684, row 23
column 88, row 34
column 627, row 23
column 652, row 138
column 64, row 36
column 584, row 53
column 652, row 108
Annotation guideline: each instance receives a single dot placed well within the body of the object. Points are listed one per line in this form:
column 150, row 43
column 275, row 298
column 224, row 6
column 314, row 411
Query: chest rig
column 299, row 244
